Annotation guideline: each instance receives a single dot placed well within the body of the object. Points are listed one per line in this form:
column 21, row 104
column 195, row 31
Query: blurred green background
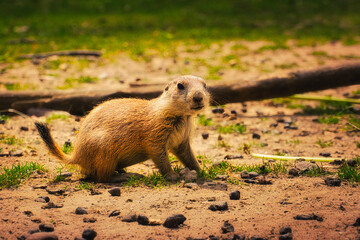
column 136, row 25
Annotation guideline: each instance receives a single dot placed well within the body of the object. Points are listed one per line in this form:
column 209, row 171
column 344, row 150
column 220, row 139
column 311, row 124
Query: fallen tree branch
column 80, row 103
column 91, row 53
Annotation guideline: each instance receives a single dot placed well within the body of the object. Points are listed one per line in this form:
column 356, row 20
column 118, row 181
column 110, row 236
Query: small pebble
column 238, row 156
column 114, row 213
column 52, row 205
column 309, row 217
column 219, row 206
column 294, row 172
column 46, row 227
column 235, row 195
column 218, row 110
column 227, row 227
column 89, row 220
column 286, row 236
column 43, row 199
column 33, row 231
column 285, row 230
column 256, row 136
column 115, row 192
column 143, row 220
column 333, row 181
column 17, row 153
column 325, row 154
column 357, row 222
column 89, row 234
column 24, row 128
column 174, row 221
column 80, row 211
column 205, row 135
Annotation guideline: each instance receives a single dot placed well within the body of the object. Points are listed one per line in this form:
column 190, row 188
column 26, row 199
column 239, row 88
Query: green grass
column 67, row 148
column 9, row 140
column 4, row 117
column 56, row 117
column 324, row 144
column 329, row 119
column 203, row 120
column 136, row 27
column 237, row 128
column 85, row 186
column 73, row 82
column 317, row 171
column 351, row 174
column 16, row 86
column 14, row 176
column 155, row 179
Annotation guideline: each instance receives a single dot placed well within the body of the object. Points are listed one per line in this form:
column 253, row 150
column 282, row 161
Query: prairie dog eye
column 180, row 86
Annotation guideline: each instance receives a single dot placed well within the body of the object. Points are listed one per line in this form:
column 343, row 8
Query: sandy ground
column 262, row 210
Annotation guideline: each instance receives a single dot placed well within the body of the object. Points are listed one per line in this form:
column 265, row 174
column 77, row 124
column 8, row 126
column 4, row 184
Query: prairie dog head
column 187, row 95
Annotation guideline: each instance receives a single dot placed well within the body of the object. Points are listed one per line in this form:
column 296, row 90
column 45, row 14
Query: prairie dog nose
column 198, row 97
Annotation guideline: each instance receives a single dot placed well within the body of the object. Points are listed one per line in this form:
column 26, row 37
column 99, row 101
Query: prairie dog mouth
column 197, row 107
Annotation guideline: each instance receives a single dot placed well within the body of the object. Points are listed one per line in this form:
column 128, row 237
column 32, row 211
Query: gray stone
column 221, row 177
column 143, row 220
column 235, row 195
column 46, row 227
column 304, row 166
column 115, row 192
column 80, row 211
column 17, row 153
column 244, row 174
column 219, row 206
column 174, row 221
column 89, row 234
column 285, row 230
column 43, row 199
column 89, row 220
column 114, row 213
column 227, row 227
column 130, row 218
column 215, row 186
column 286, row 236
column 325, row 154
column 191, row 185
column 294, row 172
column 330, row 181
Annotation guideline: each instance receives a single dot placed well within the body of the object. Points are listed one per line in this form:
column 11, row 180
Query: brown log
column 91, row 53
column 80, row 103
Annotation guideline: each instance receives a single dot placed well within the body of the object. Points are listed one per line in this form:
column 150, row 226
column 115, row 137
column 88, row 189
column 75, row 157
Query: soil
column 262, row 210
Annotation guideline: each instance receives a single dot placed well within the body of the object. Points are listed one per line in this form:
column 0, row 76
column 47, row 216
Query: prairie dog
column 122, row 132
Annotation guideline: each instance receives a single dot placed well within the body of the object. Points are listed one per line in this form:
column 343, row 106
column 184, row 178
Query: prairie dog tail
column 53, row 147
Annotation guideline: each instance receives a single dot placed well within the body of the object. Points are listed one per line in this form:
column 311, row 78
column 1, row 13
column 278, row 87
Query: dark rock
column 24, row 128
column 337, row 162
column 316, row 120
column 244, row 110
column 125, row 177
column 55, row 191
column 4, row 154
column 215, row 186
column 304, row 133
column 263, row 181
column 114, row 213
column 174, row 221
column 33, row 231
column 115, row 192
column 42, row 236
column 357, row 222
column 285, row 230
column 235, row 195
column 251, row 181
column 309, row 217
column 219, row 206
column 89, row 220
column 256, row 136
column 143, row 220
column 280, row 120
column 66, row 174
column 80, row 211
column 333, row 181
column 205, row 135
column 130, row 218
column 40, row 186
column 17, row 153
column 294, row 172
column 352, row 162
column 227, row 227
column 274, row 125
column 212, row 237
column 253, row 174
column 238, row 156
column 89, row 234
column 46, row 227
column 291, row 127
column 52, row 205
column 286, row 236
column 218, row 110
column 43, row 199
column 28, row 213
column 325, row 154
column 220, row 138
column 257, row 238
column 36, row 220
column 233, row 112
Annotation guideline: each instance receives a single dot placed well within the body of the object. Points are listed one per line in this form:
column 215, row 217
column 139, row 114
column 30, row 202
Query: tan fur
column 123, row 132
